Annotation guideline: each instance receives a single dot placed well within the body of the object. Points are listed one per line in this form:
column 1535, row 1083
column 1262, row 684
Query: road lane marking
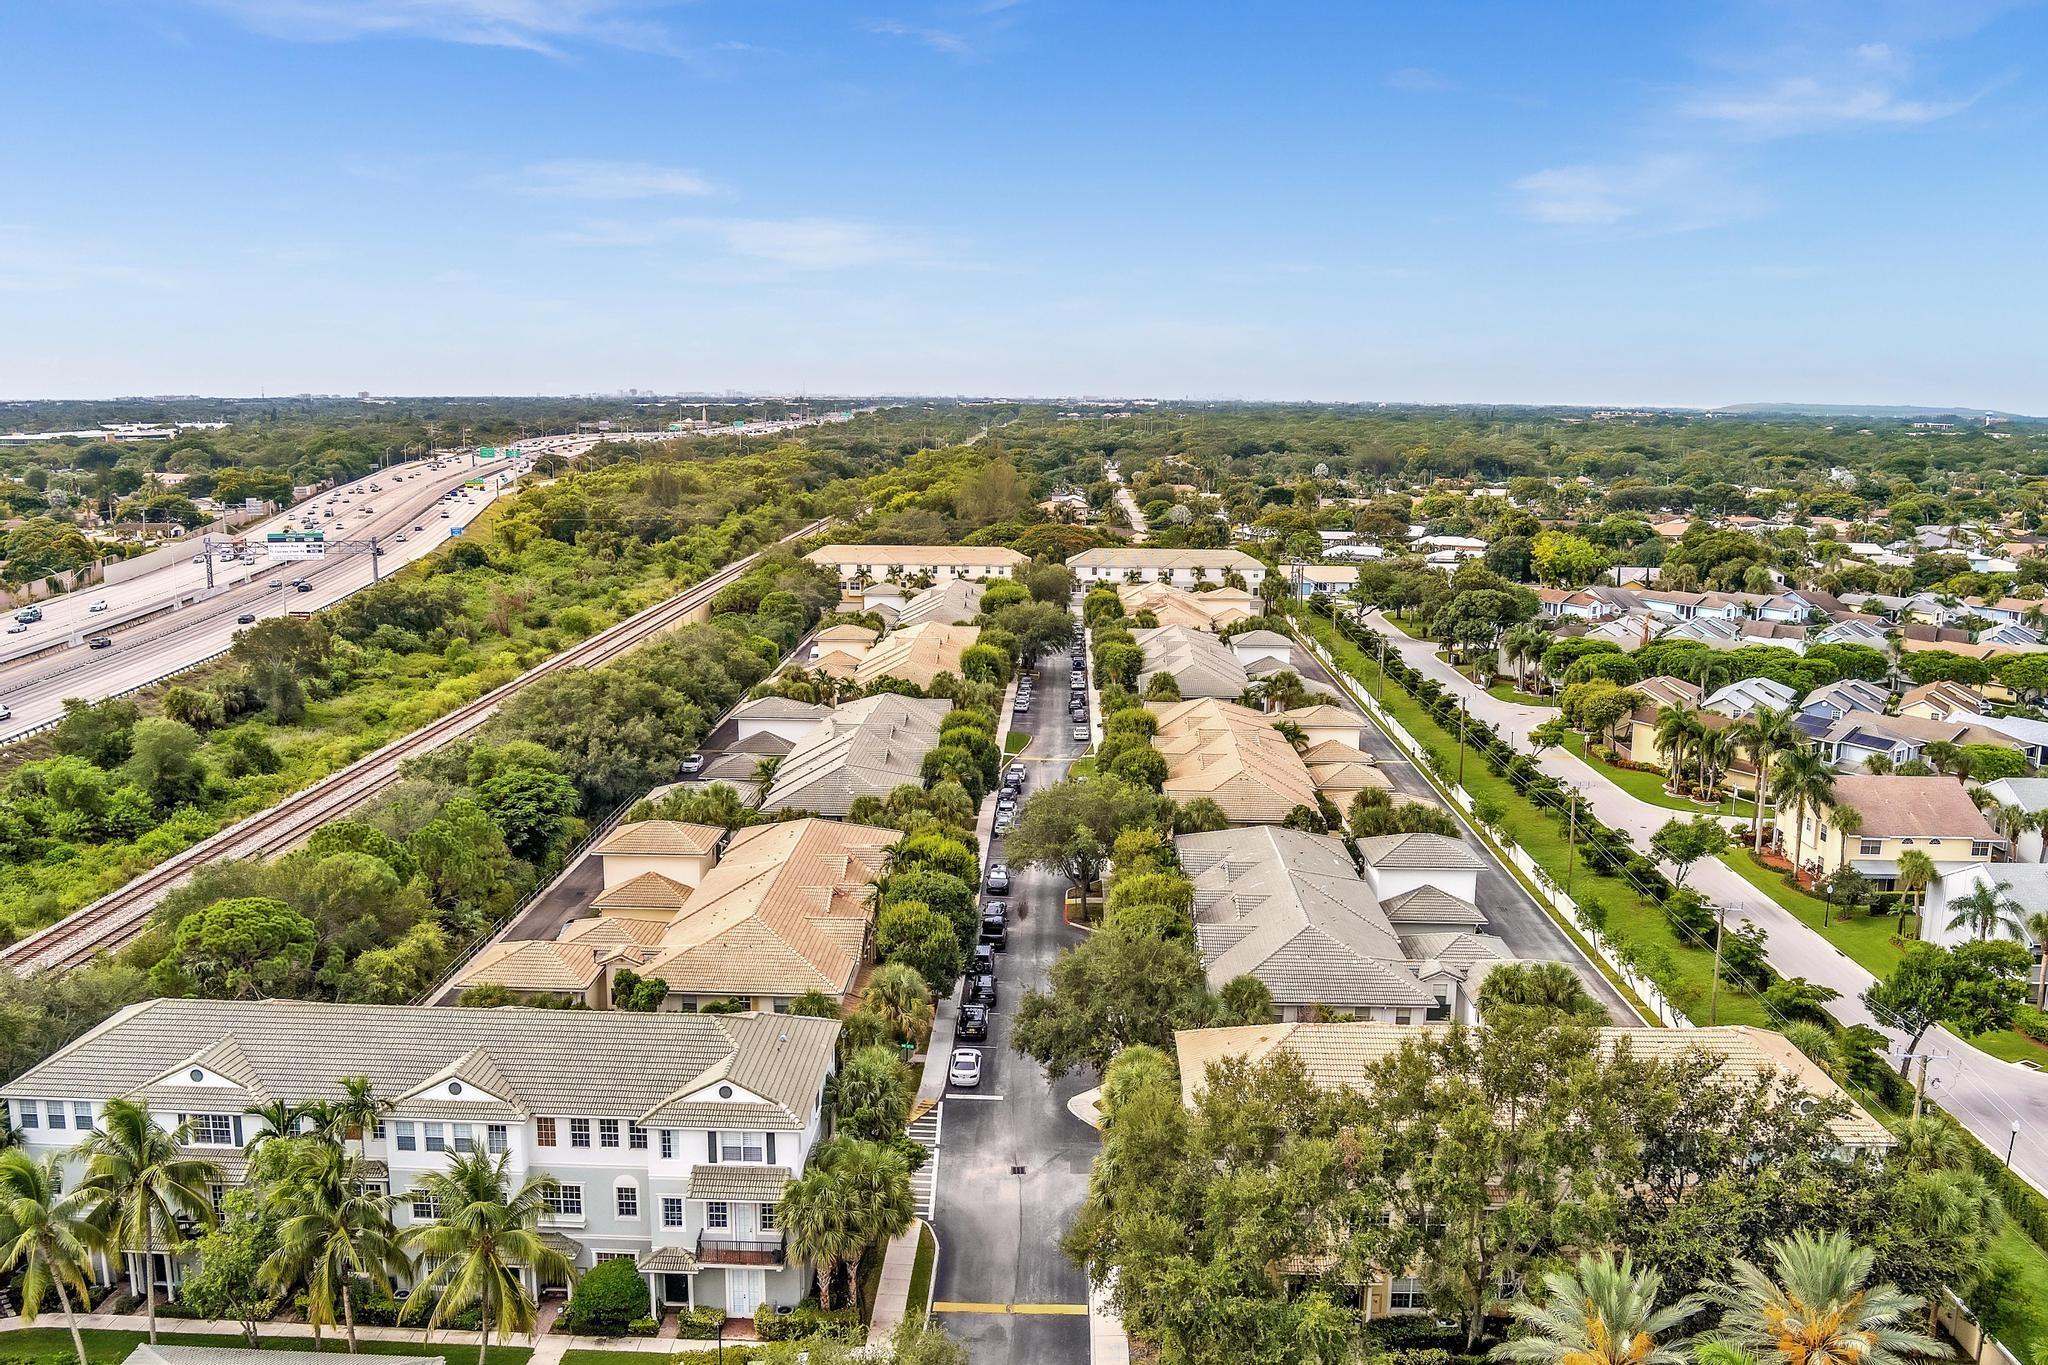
column 962, row 1095
column 944, row 1307
column 1065, row 1310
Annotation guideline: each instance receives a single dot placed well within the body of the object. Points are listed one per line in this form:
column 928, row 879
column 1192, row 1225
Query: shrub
column 700, row 1323
column 804, row 1321
column 609, row 1297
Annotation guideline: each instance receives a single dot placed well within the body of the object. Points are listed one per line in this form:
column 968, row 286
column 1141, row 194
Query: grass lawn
column 921, row 1272
column 1683, row 970
column 48, row 1345
column 2021, row 1321
column 1648, row 786
column 1867, row 939
column 1412, row 629
column 1504, row 690
column 1014, row 742
column 2012, row 1046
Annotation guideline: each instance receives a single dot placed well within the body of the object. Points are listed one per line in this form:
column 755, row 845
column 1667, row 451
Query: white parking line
column 963, row 1095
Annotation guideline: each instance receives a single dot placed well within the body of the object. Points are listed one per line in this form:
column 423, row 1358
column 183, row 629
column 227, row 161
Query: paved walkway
column 547, row 1350
column 1986, row 1095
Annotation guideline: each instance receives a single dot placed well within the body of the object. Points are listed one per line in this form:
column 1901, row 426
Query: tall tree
column 1802, row 782
column 335, row 1231
column 1819, row 1308
column 1602, row 1312
column 483, row 1234
column 141, row 1188
column 44, row 1236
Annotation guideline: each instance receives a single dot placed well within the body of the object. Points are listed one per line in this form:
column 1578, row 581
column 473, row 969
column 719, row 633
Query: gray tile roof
column 1201, row 664
column 865, row 748
column 1417, row 851
column 557, row 1061
column 1429, row 908
column 755, row 1184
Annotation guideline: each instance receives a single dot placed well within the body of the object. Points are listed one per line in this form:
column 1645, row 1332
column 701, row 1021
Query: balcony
column 761, row 1249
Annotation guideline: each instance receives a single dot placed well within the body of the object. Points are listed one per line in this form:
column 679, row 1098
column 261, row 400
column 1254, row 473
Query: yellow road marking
column 943, row 1307
column 1060, row 1309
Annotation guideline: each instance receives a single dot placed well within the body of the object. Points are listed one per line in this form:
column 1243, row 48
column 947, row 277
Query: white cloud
column 1419, row 80
column 573, row 179
column 937, row 39
column 1669, row 192
column 542, row 26
column 1805, row 104
column 32, row 263
column 810, row 244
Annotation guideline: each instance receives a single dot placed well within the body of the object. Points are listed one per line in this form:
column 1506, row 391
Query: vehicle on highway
column 247, row 618
column 6, row 711
column 1081, row 733
column 972, row 1025
column 100, row 605
column 421, row 527
column 400, row 536
column 692, row 765
column 277, row 582
column 981, row 990
column 303, row 586
column 99, row 642
column 995, row 931
column 984, row 963
column 29, row 615
column 998, row 879
column 17, row 628
column 444, row 514
column 965, row 1071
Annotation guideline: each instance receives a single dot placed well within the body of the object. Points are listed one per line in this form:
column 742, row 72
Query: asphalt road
column 1014, row 1162
column 1512, row 914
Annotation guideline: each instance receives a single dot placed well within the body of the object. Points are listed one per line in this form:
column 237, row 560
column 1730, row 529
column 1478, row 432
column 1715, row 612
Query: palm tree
column 339, row 1232
column 1523, row 646
column 1805, row 783
column 1602, row 1313
column 1767, row 733
column 2037, row 930
column 814, row 1220
column 1916, row 873
column 278, row 1119
column 1878, row 765
column 1678, row 729
column 873, row 1182
column 1819, row 1311
column 2012, row 821
column 46, row 1238
column 901, row 996
column 1711, row 752
column 1986, row 909
column 358, row 1110
column 1947, row 758
column 485, row 1233
column 138, row 1185
column 1848, row 822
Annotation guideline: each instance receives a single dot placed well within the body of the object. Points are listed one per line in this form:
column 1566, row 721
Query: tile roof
column 1418, row 851
column 648, row 891
column 661, row 837
column 1233, row 755
column 1432, row 906
column 864, row 748
column 1665, row 690
column 1342, row 1054
column 951, row 556
column 789, row 708
column 1141, row 557
column 957, row 601
column 1912, row 806
column 562, row 1061
column 749, row 1184
column 1178, row 607
column 146, row 1354
column 1261, row 639
column 917, row 653
column 674, row 1260
column 1200, row 663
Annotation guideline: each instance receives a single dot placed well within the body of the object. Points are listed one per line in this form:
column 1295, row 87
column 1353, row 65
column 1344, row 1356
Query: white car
column 966, row 1069
column 97, row 606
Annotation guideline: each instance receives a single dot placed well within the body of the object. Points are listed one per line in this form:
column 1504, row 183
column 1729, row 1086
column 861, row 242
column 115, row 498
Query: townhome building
column 1216, row 610
column 1932, row 815
column 1182, row 568
column 1743, row 697
column 1942, row 701
column 864, row 748
column 863, row 564
column 1850, row 742
column 671, row 1136
column 1838, row 699
column 1200, row 664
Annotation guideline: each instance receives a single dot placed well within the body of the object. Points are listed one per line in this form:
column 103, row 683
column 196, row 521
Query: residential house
column 1253, row 647
column 1851, row 741
column 2009, row 633
column 1575, row 603
column 954, row 602
column 2030, row 736
column 1343, row 1056
column 1673, row 606
column 1396, row 864
column 1290, row 909
column 2024, row 884
column 1853, row 632
column 2030, row 794
column 864, row 748
column 1232, row 755
column 773, row 912
column 863, row 564
column 1933, row 815
column 1665, row 690
column 1942, row 701
column 1182, row 568
column 1201, row 664
column 838, row 649
column 1170, row 606
column 917, row 654
column 1742, row 698
column 671, row 1136
column 1838, row 699
column 2013, row 609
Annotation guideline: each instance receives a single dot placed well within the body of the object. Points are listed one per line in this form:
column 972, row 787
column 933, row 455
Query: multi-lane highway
column 164, row 622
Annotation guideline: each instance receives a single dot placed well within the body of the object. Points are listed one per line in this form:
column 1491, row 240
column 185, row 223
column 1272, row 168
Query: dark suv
column 995, row 931
column 972, row 1025
column 981, row 990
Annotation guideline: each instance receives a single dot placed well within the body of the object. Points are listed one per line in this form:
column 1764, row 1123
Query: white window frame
column 565, row 1201
column 673, row 1211
column 623, row 1195
column 734, row 1144
column 717, row 1216
column 579, row 1133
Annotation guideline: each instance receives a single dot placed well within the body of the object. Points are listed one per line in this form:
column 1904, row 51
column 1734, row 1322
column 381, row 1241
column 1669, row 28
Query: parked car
column 1004, row 824
column 1081, row 733
column 99, row 642
column 1016, row 773
column 981, row 990
column 693, row 764
column 966, row 1069
column 972, row 1025
column 995, row 931
column 998, row 881
column 247, row 618
column 984, row 963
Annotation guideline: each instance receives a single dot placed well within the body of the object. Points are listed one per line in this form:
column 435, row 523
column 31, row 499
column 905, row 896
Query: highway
column 166, row 621
column 115, row 918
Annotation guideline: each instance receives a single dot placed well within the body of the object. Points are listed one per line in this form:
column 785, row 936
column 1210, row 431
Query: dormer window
column 455, row 1087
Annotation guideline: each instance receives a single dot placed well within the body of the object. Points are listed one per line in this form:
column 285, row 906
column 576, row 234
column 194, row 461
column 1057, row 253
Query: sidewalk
column 547, row 1350
column 1986, row 1095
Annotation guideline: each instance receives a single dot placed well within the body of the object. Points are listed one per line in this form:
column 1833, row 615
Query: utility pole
column 206, row 548
column 1461, row 744
column 1571, row 838
column 1714, row 988
column 376, row 561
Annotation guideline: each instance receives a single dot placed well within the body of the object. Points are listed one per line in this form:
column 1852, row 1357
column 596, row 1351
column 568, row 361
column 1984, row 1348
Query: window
column 671, row 1211
column 31, row 1114
column 579, row 1132
column 1870, row 846
column 716, row 1215
column 424, row 1205
column 627, row 1198
column 768, row 1218
column 407, row 1141
column 668, row 1144
column 742, row 1147
column 1980, row 848
column 543, row 1132
column 497, row 1138
column 81, row 1114
column 1403, row 1017
column 566, row 1199
column 214, row 1195
column 465, row 1138
column 437, row 1136
column 607, row 1132
column 1407, row 1293
column 636, row 1137
column 56, row 1108
column 603, row 1256
column 377, row 1128
column 213, row 1130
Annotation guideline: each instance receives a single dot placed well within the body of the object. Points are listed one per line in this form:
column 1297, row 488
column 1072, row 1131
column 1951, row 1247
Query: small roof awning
column 668, row 1260
column 763, row 1184
column 1875, row 867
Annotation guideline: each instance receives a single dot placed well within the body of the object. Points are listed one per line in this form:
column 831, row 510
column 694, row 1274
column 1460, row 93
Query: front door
column 744, row 1223
column 744, row 1290
column 675, row 1289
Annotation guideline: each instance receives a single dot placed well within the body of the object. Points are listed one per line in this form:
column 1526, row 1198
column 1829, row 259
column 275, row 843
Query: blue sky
column 1585, row 202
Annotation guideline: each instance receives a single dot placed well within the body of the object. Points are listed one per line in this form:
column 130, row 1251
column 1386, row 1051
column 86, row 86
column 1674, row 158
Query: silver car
column 965, row 1072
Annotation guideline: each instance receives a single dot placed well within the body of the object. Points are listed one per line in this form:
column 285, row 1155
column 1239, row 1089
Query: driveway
column 1986, row 1095
column 1014, row 1163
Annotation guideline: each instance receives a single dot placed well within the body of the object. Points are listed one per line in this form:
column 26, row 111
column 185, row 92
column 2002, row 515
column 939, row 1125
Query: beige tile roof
column 1342, row 1054
column 1323, row 714
column 559, row 1061
column 1217, row 562
column 917, row 556
column 538, row 965
column 674, row 1260
column 1417, row 851
column 955, row 602
column 648, row 891
column 1233, row 755
column 1201, row 664
column 613, row 930
column 659, row 837
column 740, row 1184
column 1179, row 607
column 846, row 631
column 864, row 748
column 1665, row 690
column 1921, row 807
column 917, row 653
column 1952, row 695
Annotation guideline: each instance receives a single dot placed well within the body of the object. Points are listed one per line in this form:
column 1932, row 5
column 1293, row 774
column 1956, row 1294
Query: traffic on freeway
column 113, row 638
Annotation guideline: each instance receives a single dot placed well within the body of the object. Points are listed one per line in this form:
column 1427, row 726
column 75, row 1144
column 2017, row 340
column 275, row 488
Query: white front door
column 744, row 1222
column 744, row 1290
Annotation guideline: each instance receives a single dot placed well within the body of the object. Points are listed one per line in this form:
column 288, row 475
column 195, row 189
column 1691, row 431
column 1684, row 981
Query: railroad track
column 119, row 916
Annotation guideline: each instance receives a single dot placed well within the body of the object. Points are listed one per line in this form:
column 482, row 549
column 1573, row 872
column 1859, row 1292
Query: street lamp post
column 2011, row 1142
